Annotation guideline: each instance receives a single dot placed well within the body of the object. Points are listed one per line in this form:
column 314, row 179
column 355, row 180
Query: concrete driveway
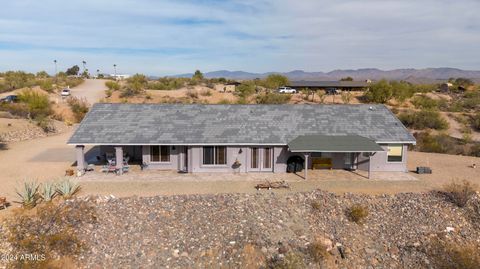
column 92, row 90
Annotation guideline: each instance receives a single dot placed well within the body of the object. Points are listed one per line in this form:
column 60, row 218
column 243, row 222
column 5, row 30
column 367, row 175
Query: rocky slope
column 241, row 230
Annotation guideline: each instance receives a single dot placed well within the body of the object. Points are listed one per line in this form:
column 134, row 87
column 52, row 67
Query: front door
column 261, row 159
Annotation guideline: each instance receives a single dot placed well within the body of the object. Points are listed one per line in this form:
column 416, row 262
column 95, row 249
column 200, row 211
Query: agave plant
column 48, row 191
column 67, row 188
column 28, row 194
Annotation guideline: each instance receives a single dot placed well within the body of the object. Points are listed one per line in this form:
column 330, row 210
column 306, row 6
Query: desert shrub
column 192, row 94
column 441, row 143
column 48, row 190
column 245, row 90
column 112, row 85
column 475, row 150
column 476, row 121
column 252, row 257
column 346, row 97
column 402, row 90
column 318, row 251
column 451, row 255
column 292, row 260
column 357, row 213
column 50, row 232
column 424, row 119
column 379, row 92
column 135, row 86
column 38, row 104
column 206, row 93
column 424, row 102
column 224, row 102
column 316, row 205
column 18, row 79
column 46, row 85
column 28, row 194
column 67, row 189
column 321, row 95
column 424, row 88
column 79, row 107
column 45, row 123
column 108, row 93
column 460, row 193
column 273, row 98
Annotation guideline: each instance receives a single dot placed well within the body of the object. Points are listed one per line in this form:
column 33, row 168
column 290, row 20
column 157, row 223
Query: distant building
column 340, row 85
column 119, row 76
column 445, row 87
column 231, row 86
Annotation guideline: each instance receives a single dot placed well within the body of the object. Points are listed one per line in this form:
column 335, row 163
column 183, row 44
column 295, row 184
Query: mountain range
column 427, row 75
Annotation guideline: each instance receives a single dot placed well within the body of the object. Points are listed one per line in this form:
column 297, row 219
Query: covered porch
column 349, row 152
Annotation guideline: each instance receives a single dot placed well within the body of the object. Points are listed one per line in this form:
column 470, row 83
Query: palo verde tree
column 73, row 71
column 273, row 81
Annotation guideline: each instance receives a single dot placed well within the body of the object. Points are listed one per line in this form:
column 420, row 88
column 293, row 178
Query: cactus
column 48, row 191
column 28, row 194
column 67, row 188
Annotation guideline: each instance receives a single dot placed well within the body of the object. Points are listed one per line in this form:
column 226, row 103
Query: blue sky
column 158, row 37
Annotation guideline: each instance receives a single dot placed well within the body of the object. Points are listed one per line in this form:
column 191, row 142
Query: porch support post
column 119, row 158
column 369, row 165
column 306, row 166
column 80, row 153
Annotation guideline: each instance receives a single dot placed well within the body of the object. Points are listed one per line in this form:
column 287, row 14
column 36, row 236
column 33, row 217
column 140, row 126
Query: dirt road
column 92, row 90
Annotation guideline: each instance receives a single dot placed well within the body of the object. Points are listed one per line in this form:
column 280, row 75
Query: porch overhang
column 331, row 143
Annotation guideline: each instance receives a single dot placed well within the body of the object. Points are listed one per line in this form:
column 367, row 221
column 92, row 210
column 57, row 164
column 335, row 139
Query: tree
column 42, row 74
column 346, row 79
column 402, row 90
column 463, row 82
column 274, row 81
column 198, row 75
column 73, row 71
column 135, row 85
column 380, row 92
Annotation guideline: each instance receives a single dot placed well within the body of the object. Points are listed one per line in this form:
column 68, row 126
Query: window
column 395, row 153
column 254, row 160
column 160, row 154
column 267, row 158
column 214, row 155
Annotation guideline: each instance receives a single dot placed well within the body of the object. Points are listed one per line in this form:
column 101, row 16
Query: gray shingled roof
column 328, row 143
column 234, row 124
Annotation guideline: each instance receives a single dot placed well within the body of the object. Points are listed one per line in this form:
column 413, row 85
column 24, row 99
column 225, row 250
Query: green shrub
column 424, row 102
column 460, row 193
column 79, row 107
column 48, row 191
column 38, row 104
column 346, row 97
column 318, row 252
column 402, row 90
column 273, row 98
column 274, row 81
column 46, row 85
column 245, row 90
column 357, row 213
column 112, row 85
column 379, row 92
column 441, row 143
column 108, row 93
column 420, row 120
column 18, row 79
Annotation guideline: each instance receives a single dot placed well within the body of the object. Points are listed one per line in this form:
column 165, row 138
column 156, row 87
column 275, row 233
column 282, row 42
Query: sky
column 160, row 37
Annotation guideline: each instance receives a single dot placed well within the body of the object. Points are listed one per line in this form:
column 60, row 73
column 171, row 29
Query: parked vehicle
column 9, row 99
column 65, row 92
column 332, row 91
column 286, row 90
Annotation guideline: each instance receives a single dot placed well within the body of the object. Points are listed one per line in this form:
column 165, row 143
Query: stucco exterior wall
column 379, row 161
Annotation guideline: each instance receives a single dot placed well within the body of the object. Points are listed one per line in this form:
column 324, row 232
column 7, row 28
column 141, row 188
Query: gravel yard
column 249, row 230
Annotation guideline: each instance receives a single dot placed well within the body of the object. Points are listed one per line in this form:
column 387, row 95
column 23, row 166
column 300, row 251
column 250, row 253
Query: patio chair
column 3, row 203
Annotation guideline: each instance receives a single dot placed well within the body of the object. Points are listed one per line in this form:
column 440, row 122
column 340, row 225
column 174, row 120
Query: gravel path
column 92, row 90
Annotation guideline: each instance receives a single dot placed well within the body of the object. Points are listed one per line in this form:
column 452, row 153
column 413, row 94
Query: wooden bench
column 3, row 202
column 321, row 163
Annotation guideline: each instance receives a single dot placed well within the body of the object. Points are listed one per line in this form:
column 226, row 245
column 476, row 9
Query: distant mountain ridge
column 426, row 75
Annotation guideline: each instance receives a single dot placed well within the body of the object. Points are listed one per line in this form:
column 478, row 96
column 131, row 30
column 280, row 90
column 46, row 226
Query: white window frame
column 160, row 154
column 214, row 154
column 402, row 149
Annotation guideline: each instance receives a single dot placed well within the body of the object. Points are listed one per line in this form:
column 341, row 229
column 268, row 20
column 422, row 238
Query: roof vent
column 371, row 108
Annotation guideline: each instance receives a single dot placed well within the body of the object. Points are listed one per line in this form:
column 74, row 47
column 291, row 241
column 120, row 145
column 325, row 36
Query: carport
column 308, row 144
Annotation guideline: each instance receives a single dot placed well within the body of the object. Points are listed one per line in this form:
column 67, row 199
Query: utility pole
column 55, row 62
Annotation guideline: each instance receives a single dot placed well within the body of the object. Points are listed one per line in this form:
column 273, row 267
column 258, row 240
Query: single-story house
column 246, row 138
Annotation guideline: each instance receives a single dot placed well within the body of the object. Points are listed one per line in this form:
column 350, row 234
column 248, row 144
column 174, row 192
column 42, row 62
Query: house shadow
column 3, row 146
column 92, row 156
